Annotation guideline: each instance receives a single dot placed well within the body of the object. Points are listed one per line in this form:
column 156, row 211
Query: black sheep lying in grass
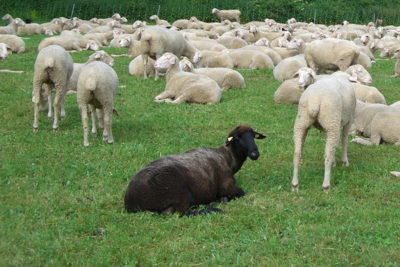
column 198, row 176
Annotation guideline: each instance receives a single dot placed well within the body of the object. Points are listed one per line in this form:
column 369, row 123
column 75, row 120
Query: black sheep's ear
column 258, row 136
column 229, row 140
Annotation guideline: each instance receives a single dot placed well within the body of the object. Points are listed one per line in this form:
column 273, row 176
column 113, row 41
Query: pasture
column 62, row 203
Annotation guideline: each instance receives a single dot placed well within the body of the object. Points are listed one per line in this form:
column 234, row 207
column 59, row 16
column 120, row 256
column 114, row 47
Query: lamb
column 215, row 59
column 230, row 14
column 53, row 67
column 290, row 91
column 288, row 67
column 185, row 86
column 202, row 175
column 159, row 21
column 136, row 67
column 250, row 59
column 70, row 43
column 226, row 78
column 331, row 54
column 157, row 40
column 12, row 28
column 329, row 104
column 15, row 43
column 97, row 85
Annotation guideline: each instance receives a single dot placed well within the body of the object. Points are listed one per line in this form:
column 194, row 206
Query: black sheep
column 198, row 176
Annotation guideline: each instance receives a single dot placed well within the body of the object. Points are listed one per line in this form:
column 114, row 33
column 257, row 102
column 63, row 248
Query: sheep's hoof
column 35, row 129
column 110, row 142
column 85, row 144
column 49, row 116
column 295, row 188
column 55, row 129
column 94, row 134
column 345, row 163
column 326, row 189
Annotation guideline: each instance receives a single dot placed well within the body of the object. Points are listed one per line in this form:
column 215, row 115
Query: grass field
column 62, row 204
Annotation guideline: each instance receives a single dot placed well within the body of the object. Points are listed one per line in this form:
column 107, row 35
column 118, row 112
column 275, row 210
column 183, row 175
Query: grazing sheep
column 226, row 78
column 215, row 59
column 136, row 67
column 12, row 28
column 53, row 68
column 156, row 40
column 250, row 59
column 290, row 91
column 331, row 54
column 230, row 14
column 97, row 85
column 160, row 22
column 329, row 104
column 288, row 67
column 368, row 94
column 202, row 175
column 185, row 86
column 76, row 43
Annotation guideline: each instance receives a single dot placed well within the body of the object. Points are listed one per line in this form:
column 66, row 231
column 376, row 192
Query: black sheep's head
column 242, row 138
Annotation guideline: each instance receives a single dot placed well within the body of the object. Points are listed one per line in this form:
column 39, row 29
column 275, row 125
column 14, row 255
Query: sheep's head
column 4, row 50
column 242, row 140
column 359, row 74
column 92, row 45
column 262, row 42
column 125, row 42
column 153, row 17
column 6, row 17
column 116, row 16
column 19, row 22
column 138, row 24
column 197, row 57
column 365, row 38
column 306, row 76
column 253, row 29
column 165, row 62
column 186, row 65
column 94, row 20
column 101, row 56
column 214, row 10
column 123, row 20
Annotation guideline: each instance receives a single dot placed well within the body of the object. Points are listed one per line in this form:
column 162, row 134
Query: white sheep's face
column 92, row 45
column 137, row 24
column 306, row 77
column 165, row 62
column 125, row 42
column 49, row 32
column 360, row 74
column 3, row 51
column 197, row 57
column 116, row 16
column 186, row 65
column 102, row 56
column 19, row 22
column 153, row 17
column 364, row 38
column 262, row 42
column 123, row 20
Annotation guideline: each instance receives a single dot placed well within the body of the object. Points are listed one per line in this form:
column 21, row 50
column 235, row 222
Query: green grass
column 62, row 204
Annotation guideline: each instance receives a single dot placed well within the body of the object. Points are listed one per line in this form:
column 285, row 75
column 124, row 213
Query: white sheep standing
column 185, row 86
column 53, row 67
column 156, row 40
column 136, row 67
column 329, row 104
column 230, row 14
column 225, row 77
column 97, row 85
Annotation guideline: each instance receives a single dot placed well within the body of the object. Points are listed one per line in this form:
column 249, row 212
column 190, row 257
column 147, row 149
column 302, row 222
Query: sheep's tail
column 90, row 84
column 49, row 62
column 313, row 107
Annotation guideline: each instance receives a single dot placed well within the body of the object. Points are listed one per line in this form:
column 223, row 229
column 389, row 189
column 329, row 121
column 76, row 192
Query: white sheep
column 12, row 28
column 396, row 105
column 397, row 65
column 250, row 59
column 368, row 94
column 97, row 85
column 160, row 22
column 288, row 67
column 364, row 60
column 136, row 67
column 53, row 67
column 329, row 104
column 290, row 91
column 230, row 14
column 31, row 28
column 232, row 42
column 4, row 50
column 214, row 59
column 275, row 57
column 70, row 43
column 331, row 54
column 356, row 74
column 156, row 40
column 131, row 44
column 210, row 45
column 225, row 77
column 185, row 86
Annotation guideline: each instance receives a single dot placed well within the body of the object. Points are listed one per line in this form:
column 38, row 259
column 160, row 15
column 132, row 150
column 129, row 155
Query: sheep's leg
column 162, row 96
column 145, row 62
column 50, row 106
column 85, row 123
column 155, row 70
column 345, row 134
column 37, row 85
column 99, row 114
column 300, row 134
column 228, row 190
column 332, row 140
column 57, row 106
column 178, row 100
column 375, row 137
column 93, row 115
column 107, row 112
column 395, row 75
column 361, row 141
column 62, row 107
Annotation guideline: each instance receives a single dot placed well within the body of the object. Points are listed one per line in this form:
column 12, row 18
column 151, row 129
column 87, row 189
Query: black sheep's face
column 243, row 141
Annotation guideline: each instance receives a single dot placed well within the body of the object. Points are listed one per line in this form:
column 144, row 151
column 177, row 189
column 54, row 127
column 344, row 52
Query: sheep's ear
column 258, row 135
column 229, row 140
column 115, row 112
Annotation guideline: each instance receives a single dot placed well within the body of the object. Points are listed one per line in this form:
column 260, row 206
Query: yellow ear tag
column 230, row 139
column 256, row 136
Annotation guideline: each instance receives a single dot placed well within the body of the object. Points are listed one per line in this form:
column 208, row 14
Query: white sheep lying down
column 328, row 104
column 226, row 78
column 70, row 43
column 185, row 86
column 15, row 43
column 288, row 67
column 136, row 67
column 250, row 59
column 97, row 85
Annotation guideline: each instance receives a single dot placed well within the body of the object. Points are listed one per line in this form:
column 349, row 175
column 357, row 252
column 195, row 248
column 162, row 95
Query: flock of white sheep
column 323, row 70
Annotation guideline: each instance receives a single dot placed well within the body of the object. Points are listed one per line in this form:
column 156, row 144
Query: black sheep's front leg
column 229, row 190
